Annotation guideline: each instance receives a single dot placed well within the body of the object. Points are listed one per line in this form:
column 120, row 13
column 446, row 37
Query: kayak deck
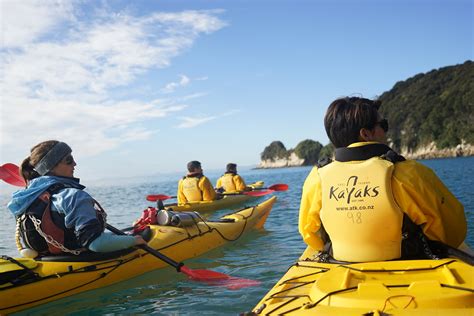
column 47, row 280
column 404, row 287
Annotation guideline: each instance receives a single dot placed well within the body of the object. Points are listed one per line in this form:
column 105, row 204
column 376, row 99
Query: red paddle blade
column 279, row 187
column 3, row 173
column 10, row 173
column 203, row 275
column 234, row 283
column 156, row 197
column 218, row 279
column 258, row 193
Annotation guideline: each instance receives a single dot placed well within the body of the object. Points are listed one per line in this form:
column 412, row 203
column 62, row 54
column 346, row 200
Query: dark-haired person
column 230, row 181
column 195, row 187
column 371, row 204
column 54, row 213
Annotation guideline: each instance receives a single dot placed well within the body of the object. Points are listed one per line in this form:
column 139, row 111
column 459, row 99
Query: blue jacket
column 76, row 205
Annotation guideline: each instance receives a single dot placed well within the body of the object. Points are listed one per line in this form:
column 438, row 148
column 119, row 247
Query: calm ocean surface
column 263, row 255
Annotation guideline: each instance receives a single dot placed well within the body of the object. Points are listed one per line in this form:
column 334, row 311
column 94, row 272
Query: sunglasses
column 68, row 160
column 383, row 123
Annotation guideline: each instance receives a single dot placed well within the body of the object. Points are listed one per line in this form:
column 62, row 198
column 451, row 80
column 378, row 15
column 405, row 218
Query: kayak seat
column 91, row 256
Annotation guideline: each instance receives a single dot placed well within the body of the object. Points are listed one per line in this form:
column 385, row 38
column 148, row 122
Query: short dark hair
column 193, row 165
column 231, row 167
column 345, row 117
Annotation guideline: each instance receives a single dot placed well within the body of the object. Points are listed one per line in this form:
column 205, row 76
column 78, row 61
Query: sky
column 141, row 87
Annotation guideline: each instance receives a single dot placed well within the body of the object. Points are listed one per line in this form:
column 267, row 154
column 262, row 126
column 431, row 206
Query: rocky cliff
column 292, row 161
column 431, row 151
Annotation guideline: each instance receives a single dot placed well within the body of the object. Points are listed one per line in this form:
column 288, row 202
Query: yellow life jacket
column 359, row 212
column 227, row 181
column 191, row 190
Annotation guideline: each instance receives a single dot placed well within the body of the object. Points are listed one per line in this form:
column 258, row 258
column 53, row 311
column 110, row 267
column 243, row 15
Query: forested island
column 431, row 115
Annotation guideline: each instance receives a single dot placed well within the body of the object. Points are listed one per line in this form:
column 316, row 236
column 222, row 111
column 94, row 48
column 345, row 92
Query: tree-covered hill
column 306, row 153
column 434, row 107
column 430, row 115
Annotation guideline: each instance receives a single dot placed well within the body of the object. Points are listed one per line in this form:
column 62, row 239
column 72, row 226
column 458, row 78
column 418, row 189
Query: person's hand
column 139, row 240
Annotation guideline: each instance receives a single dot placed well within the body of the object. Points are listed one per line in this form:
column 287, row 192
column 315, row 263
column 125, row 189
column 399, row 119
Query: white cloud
column 171, row 87
column 188, row 122
column 192, row 96
column 92, row 128
column 231, row 112
column 59, row 71
column 26, row 20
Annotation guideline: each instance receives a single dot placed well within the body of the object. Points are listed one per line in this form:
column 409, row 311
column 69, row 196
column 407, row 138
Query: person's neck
column 194, row 174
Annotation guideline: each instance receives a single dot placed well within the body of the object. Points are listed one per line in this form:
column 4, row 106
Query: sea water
column 262, row 255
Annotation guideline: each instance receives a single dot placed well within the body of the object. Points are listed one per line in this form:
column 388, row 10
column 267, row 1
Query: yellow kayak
column 228, row 201
column 25, row 283
column 400, row 287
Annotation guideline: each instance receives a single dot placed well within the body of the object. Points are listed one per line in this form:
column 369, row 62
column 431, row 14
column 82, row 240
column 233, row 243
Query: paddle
column 211, row 277
column 275, row 187
column 159, row 197
column 254, row 192
column 10, row 173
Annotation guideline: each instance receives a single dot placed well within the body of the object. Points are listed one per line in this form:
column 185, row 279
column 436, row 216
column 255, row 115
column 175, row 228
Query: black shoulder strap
column 393, row 156
column 323, row 162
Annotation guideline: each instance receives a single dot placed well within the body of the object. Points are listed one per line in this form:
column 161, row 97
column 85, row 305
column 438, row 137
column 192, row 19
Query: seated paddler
column 195, row 186
column 371, row 204
column 231, row 181
column 55, row 216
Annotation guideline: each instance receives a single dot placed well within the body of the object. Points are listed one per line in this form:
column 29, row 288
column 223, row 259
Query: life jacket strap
column 43, row 223
column 54, row 246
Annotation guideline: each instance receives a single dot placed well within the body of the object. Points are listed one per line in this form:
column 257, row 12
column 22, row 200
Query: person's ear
column 365, row 134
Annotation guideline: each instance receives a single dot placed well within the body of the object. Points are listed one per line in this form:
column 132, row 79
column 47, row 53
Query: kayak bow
column 398, row 287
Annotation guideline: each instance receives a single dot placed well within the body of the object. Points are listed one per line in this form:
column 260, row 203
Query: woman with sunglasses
column 54, row 214
column 371, row 204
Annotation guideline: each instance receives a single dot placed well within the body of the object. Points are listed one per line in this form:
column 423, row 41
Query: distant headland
column 430, row 116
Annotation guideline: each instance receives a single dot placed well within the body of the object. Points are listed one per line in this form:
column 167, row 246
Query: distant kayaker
column 371, row 204
column 195, row 186
column 231, row 181
column 54, row 214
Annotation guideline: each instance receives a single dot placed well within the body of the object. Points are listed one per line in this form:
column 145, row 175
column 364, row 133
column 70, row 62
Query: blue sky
column 143, row 87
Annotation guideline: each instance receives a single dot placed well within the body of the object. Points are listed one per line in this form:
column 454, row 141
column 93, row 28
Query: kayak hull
column 228, row 201
column 61, row 279
column 401, row 287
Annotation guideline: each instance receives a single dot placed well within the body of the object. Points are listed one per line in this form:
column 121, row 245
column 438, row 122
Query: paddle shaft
column 156, row 253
